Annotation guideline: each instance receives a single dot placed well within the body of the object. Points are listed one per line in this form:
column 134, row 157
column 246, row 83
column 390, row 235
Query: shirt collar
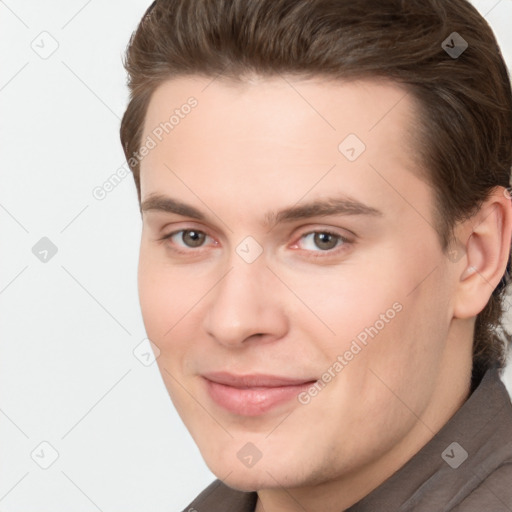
column 470, row 446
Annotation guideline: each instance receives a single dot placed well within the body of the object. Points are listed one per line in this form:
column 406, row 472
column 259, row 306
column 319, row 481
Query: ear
column 486, row 238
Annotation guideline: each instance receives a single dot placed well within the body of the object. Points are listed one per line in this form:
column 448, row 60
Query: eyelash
column 342, row 242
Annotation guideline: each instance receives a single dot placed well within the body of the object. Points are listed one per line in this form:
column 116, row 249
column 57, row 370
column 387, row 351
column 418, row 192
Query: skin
column 265, row 145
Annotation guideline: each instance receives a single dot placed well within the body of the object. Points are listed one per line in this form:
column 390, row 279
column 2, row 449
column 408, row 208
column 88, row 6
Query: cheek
column 396, row 309
column 162, row 298
column 406, row 356
column 171, row 298
column 152, row 298
column 339, row 303
column 164, row 312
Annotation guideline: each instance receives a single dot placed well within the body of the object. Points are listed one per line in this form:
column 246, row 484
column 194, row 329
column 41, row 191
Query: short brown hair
column 464, row 128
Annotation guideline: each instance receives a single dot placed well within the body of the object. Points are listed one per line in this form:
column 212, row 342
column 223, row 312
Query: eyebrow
column 320, row 207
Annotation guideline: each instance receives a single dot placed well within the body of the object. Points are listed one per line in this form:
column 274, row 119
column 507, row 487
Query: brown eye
column 183, row 242
column 192, row 238
column 325, row 241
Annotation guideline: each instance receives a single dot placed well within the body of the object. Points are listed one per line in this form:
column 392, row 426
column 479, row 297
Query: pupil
column 193, row 238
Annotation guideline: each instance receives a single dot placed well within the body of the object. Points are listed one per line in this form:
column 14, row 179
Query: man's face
column 351, row 305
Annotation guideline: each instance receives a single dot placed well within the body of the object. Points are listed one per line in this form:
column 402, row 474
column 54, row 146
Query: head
column 389, row 161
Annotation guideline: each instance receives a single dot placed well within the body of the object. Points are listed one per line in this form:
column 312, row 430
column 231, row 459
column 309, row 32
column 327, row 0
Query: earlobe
column 487, row 253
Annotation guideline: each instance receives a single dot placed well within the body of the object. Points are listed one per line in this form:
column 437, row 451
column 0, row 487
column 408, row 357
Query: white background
column 68, row 374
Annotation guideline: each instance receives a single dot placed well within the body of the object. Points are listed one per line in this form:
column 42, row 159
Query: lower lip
column 252, row 401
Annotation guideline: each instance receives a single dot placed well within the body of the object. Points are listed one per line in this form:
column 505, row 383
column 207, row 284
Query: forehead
column 284, row 110
column 279, row 131
column 330, row 105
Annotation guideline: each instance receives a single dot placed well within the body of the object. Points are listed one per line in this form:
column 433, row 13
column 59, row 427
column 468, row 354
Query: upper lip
column 253, row 380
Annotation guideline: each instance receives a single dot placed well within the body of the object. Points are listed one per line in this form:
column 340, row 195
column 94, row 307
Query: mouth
column 252, row 395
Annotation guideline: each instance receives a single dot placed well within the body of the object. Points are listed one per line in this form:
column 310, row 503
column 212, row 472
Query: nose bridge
column 237, row 298
column 243, row 304
column 239, row 284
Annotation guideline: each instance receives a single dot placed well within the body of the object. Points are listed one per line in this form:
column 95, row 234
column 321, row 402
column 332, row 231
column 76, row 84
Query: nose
column 245, row 305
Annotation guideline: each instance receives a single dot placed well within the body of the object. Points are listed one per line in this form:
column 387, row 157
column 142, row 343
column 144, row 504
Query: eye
column 188, row 238
column 322, row 241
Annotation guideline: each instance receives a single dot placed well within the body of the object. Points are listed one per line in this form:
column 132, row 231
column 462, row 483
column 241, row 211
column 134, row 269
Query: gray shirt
column 465, row 467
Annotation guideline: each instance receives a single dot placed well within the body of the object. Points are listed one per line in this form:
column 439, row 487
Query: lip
column 252, row 395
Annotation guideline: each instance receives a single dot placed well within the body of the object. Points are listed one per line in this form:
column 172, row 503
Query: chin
column 252, row 480
column 265, row 474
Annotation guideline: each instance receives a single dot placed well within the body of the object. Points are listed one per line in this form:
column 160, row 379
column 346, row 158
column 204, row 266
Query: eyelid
column 176, row 227
column 345, row 234
column 327, row 252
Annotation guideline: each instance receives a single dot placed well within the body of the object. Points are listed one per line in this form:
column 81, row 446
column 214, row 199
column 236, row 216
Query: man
column 326, row 231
